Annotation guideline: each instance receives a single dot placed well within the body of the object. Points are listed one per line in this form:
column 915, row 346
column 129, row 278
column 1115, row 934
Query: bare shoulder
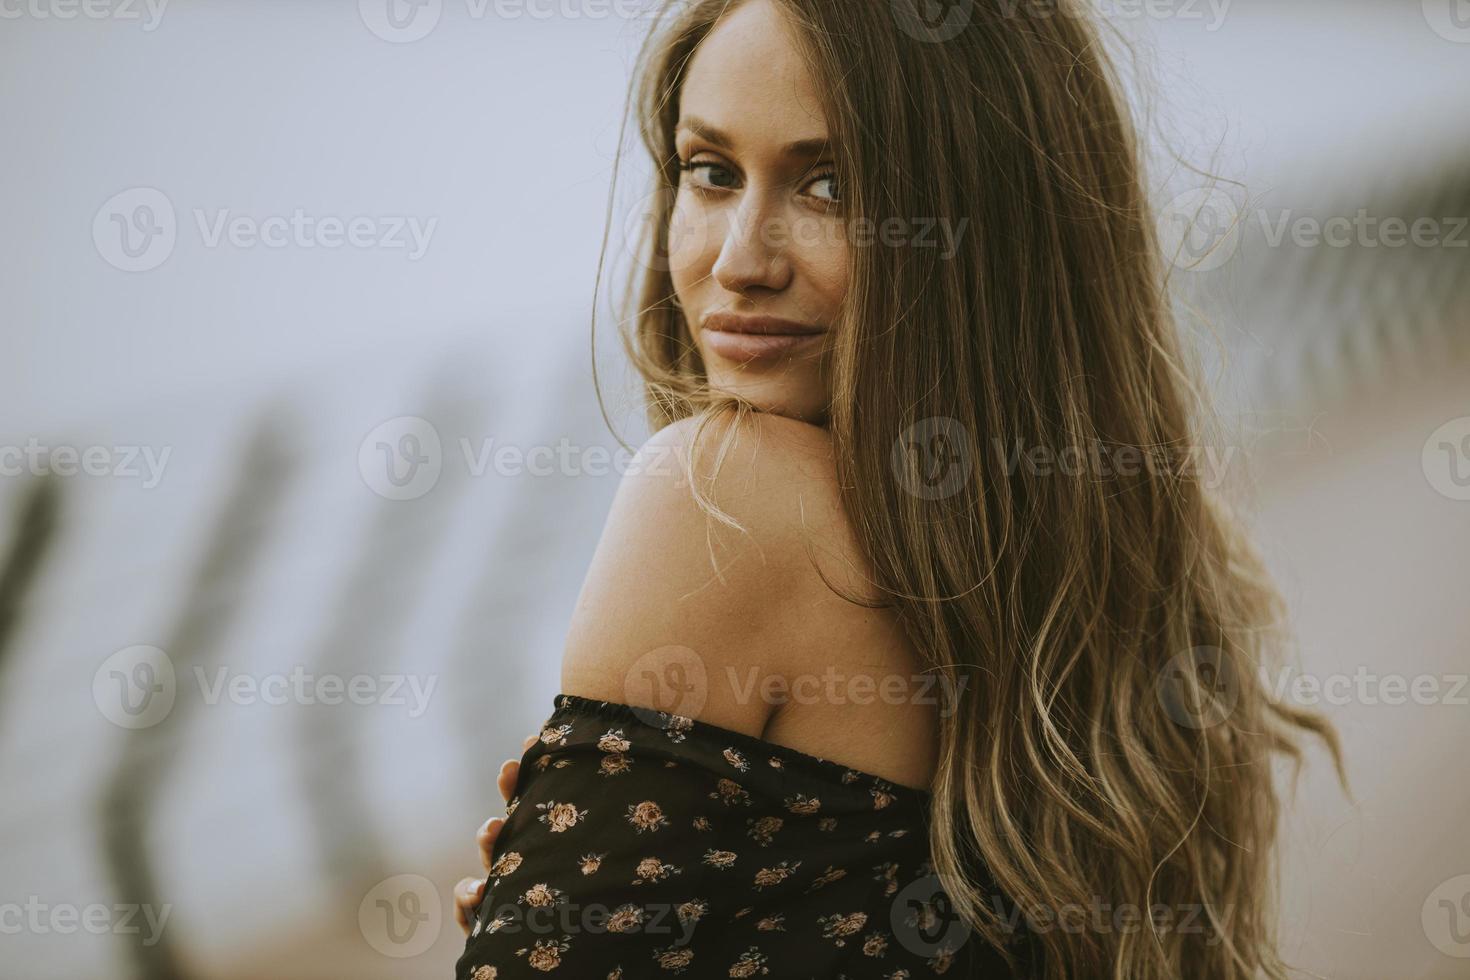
column 675, row 602
column 749, row 629
column 774, row 476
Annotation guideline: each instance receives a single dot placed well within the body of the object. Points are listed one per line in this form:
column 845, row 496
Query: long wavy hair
column 1109, row 626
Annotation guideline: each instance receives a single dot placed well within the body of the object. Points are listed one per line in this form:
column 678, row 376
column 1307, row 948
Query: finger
column 530, row 740
column 489, row 831
column 467, row 896
column 510, row 770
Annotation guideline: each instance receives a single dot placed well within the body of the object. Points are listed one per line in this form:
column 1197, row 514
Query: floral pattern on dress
column 654, row 845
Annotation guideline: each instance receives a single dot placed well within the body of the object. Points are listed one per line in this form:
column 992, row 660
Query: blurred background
column 303, row 461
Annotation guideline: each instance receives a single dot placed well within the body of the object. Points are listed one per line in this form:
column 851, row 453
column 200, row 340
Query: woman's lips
column 756, row 346
column 749, row 338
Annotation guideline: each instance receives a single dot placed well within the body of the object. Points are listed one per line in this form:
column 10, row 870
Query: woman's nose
column 755, row 250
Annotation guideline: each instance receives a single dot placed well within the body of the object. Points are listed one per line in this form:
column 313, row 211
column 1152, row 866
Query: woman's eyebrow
column 812, row 147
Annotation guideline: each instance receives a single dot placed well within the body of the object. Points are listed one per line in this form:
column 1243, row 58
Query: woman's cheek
column 828, row 266
column 692, row 250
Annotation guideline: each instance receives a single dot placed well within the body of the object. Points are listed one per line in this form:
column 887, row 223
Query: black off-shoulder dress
column 646, row 844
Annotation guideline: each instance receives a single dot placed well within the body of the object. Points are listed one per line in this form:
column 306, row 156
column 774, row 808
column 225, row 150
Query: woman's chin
column 774, row 398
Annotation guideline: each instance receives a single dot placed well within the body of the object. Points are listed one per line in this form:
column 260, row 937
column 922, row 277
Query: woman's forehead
column 748, row 82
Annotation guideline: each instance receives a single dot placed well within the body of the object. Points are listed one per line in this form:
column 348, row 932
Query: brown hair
column 1116, row 742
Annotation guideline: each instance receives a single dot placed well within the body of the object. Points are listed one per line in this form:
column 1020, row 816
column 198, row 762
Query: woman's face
column 756, row 245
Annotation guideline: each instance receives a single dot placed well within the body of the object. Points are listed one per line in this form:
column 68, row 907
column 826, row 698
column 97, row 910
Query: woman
column 922, row 420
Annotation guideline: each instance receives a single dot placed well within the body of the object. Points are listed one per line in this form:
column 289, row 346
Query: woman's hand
column 470, row 891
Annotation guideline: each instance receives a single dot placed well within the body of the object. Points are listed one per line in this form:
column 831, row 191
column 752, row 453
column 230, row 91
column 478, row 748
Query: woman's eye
column 824, row 188
column 717, row 175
